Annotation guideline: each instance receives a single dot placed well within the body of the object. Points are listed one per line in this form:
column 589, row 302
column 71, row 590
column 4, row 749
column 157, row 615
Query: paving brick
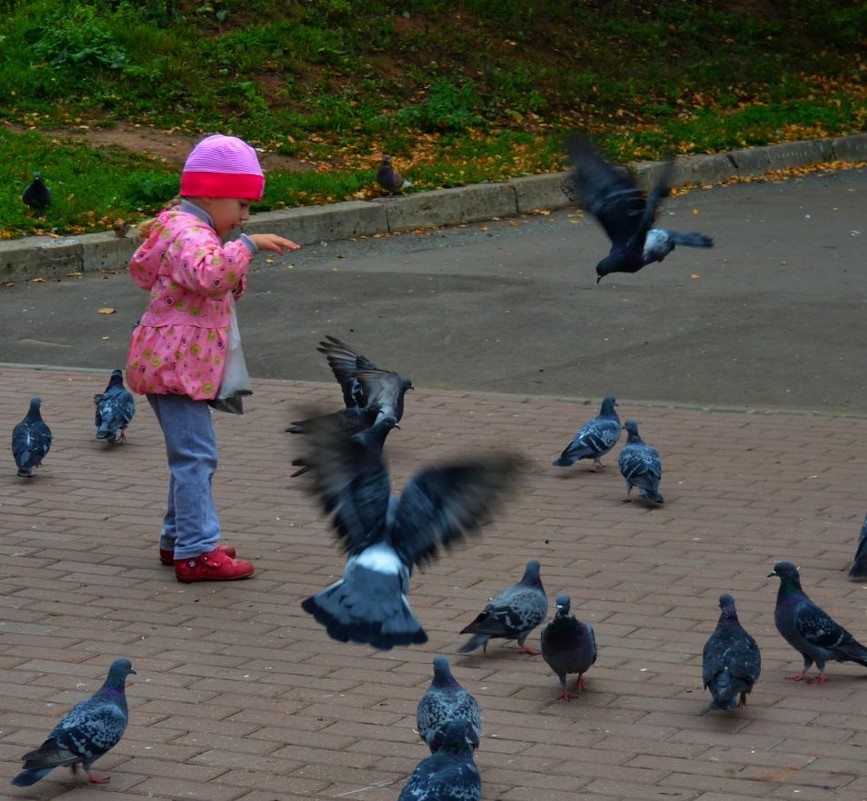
column 240, row 696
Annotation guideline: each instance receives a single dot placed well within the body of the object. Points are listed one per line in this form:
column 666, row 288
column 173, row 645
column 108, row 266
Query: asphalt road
column 771, row 317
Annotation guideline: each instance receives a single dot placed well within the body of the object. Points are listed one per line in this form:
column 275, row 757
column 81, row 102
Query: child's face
column 227, row 213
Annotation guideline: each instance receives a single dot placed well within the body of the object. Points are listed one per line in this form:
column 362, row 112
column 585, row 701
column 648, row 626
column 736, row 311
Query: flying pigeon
column 89, row 730
column 31, row 440
column 369, row 393
column 450, row 774
column 809, row 629
column 384, row 537
column 612, row 197
column 731, row 660
column 37, row 195
column 595, row 439
column 446, row 701
column 114, row 409
column 512, row 615
column 390, row 179
column 568, row 646
column 372, row 439
column 859, row 565
column 640, row 465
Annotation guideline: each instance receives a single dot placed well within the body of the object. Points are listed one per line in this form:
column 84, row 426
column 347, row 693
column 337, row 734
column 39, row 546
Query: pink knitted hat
column 222, row 166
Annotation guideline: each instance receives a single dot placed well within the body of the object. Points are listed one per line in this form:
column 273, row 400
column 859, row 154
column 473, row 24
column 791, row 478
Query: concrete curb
column 49, row 257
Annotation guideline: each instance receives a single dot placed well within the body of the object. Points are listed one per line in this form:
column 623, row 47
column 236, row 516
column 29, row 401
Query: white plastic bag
column 236, row 379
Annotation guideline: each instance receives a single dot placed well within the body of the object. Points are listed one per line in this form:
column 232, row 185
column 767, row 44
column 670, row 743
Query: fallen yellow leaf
column 106, row 310
column 695, row 276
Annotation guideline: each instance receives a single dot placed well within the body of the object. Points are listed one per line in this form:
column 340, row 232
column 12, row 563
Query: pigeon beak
column 132, row 670
column 598, row 279
column 397, row 426
column 773, row 573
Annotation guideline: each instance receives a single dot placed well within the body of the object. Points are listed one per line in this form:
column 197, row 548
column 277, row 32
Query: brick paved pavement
column 241, row 697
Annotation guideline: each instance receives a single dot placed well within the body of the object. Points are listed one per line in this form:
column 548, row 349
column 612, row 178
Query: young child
column 178, row 349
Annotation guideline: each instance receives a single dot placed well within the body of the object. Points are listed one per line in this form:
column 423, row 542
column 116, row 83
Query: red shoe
column 167, row 557
column 212, row 566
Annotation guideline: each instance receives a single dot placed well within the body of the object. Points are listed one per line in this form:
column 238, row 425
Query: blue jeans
column 190, row 526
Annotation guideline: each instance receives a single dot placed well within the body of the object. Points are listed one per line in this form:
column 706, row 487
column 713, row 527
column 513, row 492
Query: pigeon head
column 729, row 613
column 119, row 670
column 442, row 672
column 458, row 737
column 531, row 572
column 386, row 161
column 631, row 430
column 612, row 263
column 785, row 571
column 564, row 603
column 608, row 404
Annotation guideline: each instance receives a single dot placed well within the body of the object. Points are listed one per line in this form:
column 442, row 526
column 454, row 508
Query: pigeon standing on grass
column 390, row 179
column 610, row 194
column 114, row 409
column 369, row 393
column 512, row 615
column 443, row 702
column 809, row 629
column 31, row 440
column 595, row 438
column 89, row 730
column 731, row 660
column 450, row 774
column 640, row 466
column 568, row 646
column 37, row 195
column 859, row 564
column 385, row 536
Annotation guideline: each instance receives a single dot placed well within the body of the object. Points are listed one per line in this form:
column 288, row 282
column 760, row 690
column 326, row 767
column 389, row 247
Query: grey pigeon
column 89, row 730
column 595, row 438
column 731, row 660
column 610, row 194
column 37, row 195
column 115, row 409
column 385, row 536
column 859, row 564
column 568, row 646
column 369, row 393
column 640, row 465
column 31, row 440
column 372, row 439
column 512, row 615
column 390, row 179
column 443, row 702
column 450, row 774
column 809, row 629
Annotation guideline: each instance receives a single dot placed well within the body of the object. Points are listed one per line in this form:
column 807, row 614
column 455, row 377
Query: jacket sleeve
column 202, row 264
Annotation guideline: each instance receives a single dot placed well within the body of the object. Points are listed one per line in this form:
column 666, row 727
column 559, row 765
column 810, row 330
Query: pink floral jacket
column 180, row 343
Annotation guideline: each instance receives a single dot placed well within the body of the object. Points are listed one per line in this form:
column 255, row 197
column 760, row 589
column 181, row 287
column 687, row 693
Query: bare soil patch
column 167, row 146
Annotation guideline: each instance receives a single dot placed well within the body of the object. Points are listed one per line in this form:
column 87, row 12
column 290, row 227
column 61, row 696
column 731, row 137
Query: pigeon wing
column 606, row 192
column 344, row 361
column 444, row 505
column 352, row 484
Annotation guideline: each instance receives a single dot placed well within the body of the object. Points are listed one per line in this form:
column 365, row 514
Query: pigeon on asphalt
column 37, row 195
column 369, row 393
column 610, row 194
column 31, row 440
column 859, row 564
column 114, row 409
column 595, row 439
column 89, row 730
column 512, row 615
column 731, row 660
column 450, row 774
column 385, row 536
column 568, row 646
column 640, row 465
column 809, row 629
column 446, row 701
column 390, row 179
column 372, row 439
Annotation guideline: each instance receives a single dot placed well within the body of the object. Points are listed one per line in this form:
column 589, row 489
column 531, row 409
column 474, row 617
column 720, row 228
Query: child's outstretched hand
column 272, row 242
